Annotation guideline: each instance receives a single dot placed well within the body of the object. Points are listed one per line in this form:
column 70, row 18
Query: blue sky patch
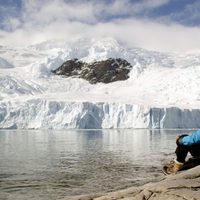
column 185, row 12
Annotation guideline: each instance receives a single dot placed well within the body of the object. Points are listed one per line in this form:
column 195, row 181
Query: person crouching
column 185, row 144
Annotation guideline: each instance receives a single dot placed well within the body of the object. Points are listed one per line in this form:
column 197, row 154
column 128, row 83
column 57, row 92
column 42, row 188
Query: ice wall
column 45, row 114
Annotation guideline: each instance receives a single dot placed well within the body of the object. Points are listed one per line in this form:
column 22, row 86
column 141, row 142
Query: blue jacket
column 190, row 140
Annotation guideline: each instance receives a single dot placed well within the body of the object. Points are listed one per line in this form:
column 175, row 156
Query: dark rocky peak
column 105, row 71
column 69, row 68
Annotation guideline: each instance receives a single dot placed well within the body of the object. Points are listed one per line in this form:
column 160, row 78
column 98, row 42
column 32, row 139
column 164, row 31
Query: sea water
column 48, row 165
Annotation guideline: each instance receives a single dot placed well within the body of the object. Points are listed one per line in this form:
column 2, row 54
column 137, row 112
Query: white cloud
column 125, row 7
column 44, row 12
column 57, row 20
column 151, row 35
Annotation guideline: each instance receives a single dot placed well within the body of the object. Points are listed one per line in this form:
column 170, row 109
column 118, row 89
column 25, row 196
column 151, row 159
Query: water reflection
column 53, row 164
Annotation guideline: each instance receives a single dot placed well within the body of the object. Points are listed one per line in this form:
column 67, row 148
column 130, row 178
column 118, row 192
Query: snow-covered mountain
column 162, row 91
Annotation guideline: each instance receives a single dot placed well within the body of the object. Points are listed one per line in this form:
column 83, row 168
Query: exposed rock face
column 105, row 71
column 183, row 186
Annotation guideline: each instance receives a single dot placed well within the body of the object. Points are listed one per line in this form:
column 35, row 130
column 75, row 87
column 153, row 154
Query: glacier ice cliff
column 45, row 114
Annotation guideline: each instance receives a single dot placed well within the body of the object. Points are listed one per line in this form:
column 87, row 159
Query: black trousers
column 182, row 151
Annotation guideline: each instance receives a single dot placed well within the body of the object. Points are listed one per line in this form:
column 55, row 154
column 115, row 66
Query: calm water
column 48, row 165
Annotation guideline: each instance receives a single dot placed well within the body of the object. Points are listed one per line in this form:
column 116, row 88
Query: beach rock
column 105, row 71
column 183, row 186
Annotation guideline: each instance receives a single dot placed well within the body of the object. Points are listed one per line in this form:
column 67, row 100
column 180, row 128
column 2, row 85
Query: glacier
column 162, row 91
column 42, row 114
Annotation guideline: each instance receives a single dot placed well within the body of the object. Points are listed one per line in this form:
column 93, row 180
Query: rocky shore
column 182, row 186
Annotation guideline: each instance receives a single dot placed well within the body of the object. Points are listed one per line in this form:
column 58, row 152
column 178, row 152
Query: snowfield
column 162, row 91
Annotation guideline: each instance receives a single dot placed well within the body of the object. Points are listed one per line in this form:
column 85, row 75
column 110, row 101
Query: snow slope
column 162, row 91
column 5, row 64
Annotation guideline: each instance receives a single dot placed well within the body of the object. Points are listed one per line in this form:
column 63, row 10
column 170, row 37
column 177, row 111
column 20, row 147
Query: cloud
column 42, row 20
column 125, row 8
column 151, row 35
column 87, row 11
column 45, row 12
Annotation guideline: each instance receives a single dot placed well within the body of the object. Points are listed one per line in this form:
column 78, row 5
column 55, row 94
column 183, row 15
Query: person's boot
column 173, row 167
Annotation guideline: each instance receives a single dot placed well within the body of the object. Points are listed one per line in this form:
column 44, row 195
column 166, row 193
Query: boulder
column 105, row 71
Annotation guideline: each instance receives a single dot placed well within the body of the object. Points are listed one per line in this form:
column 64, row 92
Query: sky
column 161, row 25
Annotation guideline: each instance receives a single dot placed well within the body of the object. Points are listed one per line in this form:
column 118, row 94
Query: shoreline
column 184, row 185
